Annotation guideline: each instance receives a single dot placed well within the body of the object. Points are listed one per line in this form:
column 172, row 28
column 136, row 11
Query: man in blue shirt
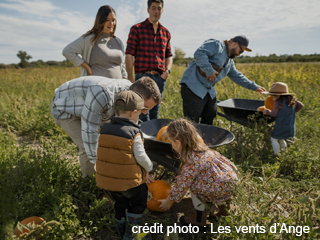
column 212, row 62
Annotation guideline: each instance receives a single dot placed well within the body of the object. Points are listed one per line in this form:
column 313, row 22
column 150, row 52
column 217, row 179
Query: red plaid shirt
column 149, row 50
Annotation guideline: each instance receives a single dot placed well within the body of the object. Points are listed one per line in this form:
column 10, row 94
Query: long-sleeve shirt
column 277, row 106
column 83, row 46
column 149, row 49
column 212, row 51
column 91, row 98
column 208, row 175
column 284, row 127
column 140, row 154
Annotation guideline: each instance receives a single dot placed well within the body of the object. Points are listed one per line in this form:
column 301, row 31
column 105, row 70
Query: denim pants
column 134, row 200
column 154, row 112
column 195, row 107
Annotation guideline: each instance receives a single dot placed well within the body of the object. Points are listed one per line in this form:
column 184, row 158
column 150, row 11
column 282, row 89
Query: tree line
column 179, row 59
column 24, row 62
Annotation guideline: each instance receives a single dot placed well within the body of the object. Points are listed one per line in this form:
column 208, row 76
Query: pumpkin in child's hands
column 261, row 108
column 157, row 190
column 162, row 136
column 268, row 103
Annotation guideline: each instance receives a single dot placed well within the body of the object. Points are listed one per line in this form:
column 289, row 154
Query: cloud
column 36, row 7
column 128, row 15
column 191, row 23
column 43, row 29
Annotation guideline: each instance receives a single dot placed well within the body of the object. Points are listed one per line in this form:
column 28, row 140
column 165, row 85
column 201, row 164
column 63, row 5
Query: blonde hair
column 186, row 133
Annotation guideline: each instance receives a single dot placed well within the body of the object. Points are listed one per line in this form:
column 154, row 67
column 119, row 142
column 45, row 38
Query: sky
column 43, row 28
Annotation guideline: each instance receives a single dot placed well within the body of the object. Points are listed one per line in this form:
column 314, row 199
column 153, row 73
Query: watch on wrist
column 169, row 71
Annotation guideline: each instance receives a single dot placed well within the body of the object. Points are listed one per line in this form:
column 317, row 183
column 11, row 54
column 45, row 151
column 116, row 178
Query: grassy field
column 39, row 174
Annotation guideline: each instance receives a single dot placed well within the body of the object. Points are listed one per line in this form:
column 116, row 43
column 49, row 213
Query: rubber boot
column 131, row 221
column 199, row 219
column 121, row 226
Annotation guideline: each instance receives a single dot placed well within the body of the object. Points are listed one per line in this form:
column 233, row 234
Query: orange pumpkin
column 162, row 136
column 31, row 220
column 157, row 190
column 268, row 103
column 201, row 140
column 261, row 108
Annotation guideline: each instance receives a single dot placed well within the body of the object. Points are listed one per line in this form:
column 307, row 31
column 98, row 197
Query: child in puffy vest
column 210, row 176
column 122, row 164
column 284, row 110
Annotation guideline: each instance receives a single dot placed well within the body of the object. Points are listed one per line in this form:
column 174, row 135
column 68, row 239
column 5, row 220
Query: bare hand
column 212, row 77
column 149, row 179
column 261, row 90
column 165, row 203
column 87, row 67
column 165, row 75
column 130, row 78
column 265, row 111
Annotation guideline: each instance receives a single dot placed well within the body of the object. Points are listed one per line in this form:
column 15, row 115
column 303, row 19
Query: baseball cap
column 132, row 101
column 243, row 42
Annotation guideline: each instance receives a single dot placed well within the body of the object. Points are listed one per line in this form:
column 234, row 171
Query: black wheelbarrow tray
column 238, row 110
column 162, row 153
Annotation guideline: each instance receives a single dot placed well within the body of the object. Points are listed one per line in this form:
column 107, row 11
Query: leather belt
column 214, row 66
column 153, row 72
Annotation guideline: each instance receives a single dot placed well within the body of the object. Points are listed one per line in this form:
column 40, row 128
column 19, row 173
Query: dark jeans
column 154, row 112
column 134, row 200
column 195, row 107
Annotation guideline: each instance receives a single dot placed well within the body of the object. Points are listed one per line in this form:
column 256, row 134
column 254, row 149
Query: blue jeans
column 154, row 112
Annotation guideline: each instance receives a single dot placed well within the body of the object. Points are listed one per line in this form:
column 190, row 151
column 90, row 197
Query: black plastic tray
column 162, row 153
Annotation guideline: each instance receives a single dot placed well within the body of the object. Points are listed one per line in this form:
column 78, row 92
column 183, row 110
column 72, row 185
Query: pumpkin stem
column 150, row 195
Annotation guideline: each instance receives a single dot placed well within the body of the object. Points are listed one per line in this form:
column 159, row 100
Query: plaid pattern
column 149, row 50
column 91, row 98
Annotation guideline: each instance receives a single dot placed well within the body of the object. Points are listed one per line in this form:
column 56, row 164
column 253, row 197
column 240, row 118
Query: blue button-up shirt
column 212, row 51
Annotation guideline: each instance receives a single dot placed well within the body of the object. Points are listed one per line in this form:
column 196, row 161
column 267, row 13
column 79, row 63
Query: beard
column 232, row 53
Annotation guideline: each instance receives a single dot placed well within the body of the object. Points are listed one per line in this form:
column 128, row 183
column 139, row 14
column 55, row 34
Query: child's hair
column 290, row 100
column 186, row 133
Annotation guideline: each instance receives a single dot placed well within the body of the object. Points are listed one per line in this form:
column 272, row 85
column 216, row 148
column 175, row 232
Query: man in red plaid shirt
column 149, row 45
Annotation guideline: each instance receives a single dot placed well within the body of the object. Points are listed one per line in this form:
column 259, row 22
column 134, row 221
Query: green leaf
column 302, row 199
column 141, row 235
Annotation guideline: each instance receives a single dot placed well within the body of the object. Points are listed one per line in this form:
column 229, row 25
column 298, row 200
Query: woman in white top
column 102, row 53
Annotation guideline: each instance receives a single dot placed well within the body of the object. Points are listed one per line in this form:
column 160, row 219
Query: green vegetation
column 24, row 57
column 273, row 58
column 40, row 176
column 180, row 59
